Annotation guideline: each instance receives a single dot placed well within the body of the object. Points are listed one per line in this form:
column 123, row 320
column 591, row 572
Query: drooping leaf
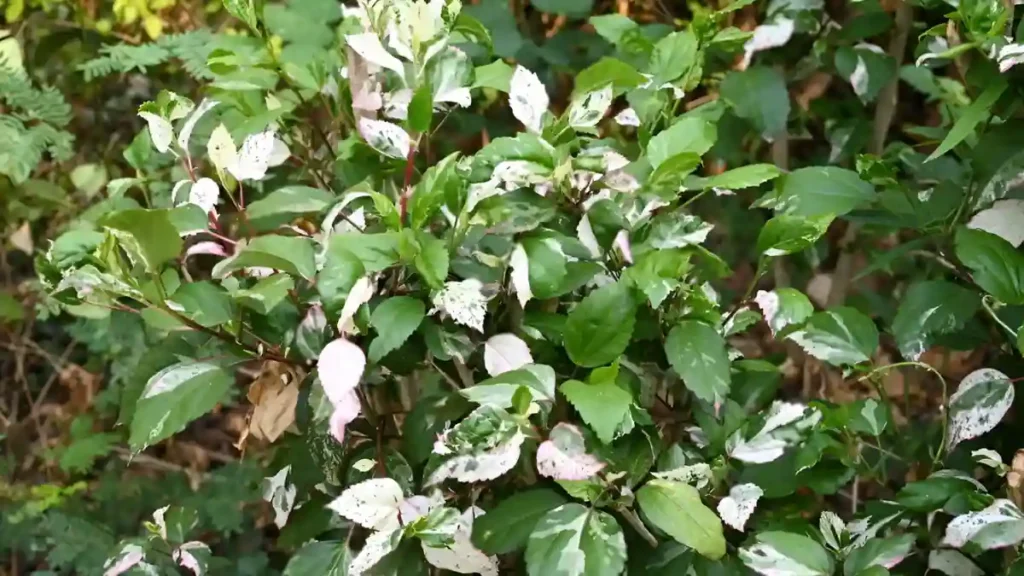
column 999, row 525
column 290, row 254
column 759, row 95
column 504, row 353
column 821, row 191
column 996, row 265
column 930, row 309
column 977, row 112
column 146, row 235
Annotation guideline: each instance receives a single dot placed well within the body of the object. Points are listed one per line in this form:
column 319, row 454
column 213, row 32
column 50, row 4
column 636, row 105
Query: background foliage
column 551, row 287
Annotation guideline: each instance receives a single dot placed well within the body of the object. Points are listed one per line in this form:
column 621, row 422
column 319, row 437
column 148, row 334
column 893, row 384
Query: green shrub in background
column 492, row 336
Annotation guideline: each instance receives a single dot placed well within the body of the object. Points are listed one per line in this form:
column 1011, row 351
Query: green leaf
column 395, row 320
column 10, row 308
column 669, row 177
column 866, row 70
column 673, row 57
column 786, row 553
column 759, row 95
column 421, row 109
column 507, row 527
column 658, row 272
column 977, row 112
column 289, row 202
column 244, row 10
column 375, row 251
column 736, row 179
column 929, row 309
column 996, row 265
column 786, row 234
column 266, row 293
column 820, row 191
column 547, row 266
column 89, row 178
column 146, row 235
column 690, row 134
column 573, row 540
column 612, row 27
column 537, row 379
column 607, row 70
column 322, row 558
column 675, row 508
column 496, row 75
column 784, row 307
column 568, row 7
column 204, row 302
column 603, row 406
column 883, row 552
column 430, row 192
column 175, row 396
column 599, row 328
column 432, row 260
column 838, row 336
column 698, row 353
column 290, row 254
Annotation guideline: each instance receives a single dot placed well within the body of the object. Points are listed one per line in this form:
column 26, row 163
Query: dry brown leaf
column 82, row 387
column 274, row 394
column 1015, row 479
column 812, row 89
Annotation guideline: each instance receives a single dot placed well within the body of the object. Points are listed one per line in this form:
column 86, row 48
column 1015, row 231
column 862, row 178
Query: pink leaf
column 344, row 413
column 340, row 367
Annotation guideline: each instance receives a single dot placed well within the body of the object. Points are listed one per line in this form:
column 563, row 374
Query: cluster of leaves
column 526, row 356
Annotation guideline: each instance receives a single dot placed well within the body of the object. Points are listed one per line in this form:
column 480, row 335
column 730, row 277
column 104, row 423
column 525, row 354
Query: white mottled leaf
column 279, row 153
column 384, row 137
column 221, row 148
column 340, row 367
column 377, row 546
column 505, row 352
column 998, row 526
column 206, row 194
column 990, row 458
column 372, row 503
column 359, row 294
column 832, row 529
column 563, row 456
column 697, row 475
column 952, row 563
column 783, row 307
column 127, row 558
column 588, row 109
column 462, row 556
column 1004, row 219
column 627, row 117
column 767, row 36
column 486, row 465
column 1010, row 55
column 772, row 439
column 280, row 493
column 186, row 129
column 981, row 401
column 369, row 47
column 211, row 248
column 520, row 275
column 786, row 554
column 253, row 159
column 464, row 302
column 585, row 232
column 194, row 556
column 528, row 98
column 160, row 131
column 736, row 508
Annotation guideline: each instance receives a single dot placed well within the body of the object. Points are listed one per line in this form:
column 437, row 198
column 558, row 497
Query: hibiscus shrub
column 531, row 352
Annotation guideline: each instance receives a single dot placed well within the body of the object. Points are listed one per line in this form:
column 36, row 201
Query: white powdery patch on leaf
column 998, row 526
column 461, row 556
column 160, row 131
column 1004, row 219
column 520, row 275
column 736, row 508
column 627, row 117
column 280, row 493
column 563, row 456
column 528, row 98
column 127, row 558
column 767, row 36
column 464, row 302
column 206, row 194
column 481, row 467
column 384, row 137
column 504, row 353
column 372, row 504
column 979, row 404
column 253, row 159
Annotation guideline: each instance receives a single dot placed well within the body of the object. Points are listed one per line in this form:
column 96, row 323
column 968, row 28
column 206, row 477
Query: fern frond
column 191, row 48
